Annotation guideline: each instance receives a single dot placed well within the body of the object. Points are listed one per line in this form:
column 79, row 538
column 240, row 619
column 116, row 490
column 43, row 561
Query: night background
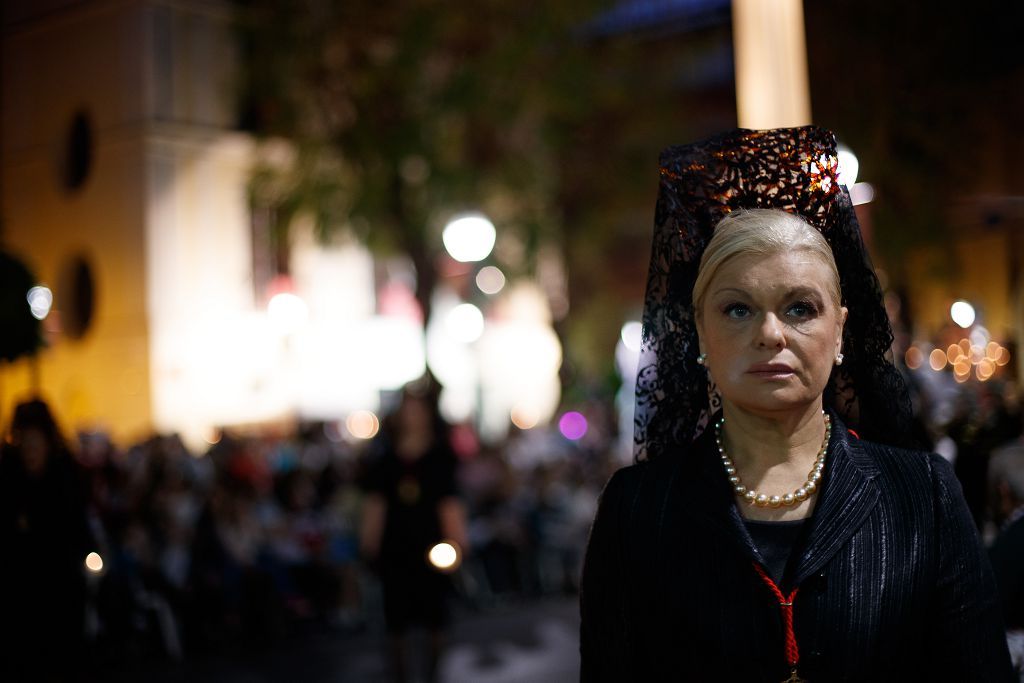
column 237, row 237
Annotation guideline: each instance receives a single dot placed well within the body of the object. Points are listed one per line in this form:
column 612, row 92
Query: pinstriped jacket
column 894, row 584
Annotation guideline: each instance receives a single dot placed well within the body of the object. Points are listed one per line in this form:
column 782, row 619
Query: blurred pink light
column 573, row 425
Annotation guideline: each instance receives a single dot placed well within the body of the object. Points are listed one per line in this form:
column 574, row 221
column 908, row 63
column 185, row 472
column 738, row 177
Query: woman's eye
column 803, row 309
column 737, row 311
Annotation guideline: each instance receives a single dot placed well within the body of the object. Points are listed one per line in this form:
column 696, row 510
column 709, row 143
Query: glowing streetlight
column 962, row 313
column 40, row 299
column 469, row 237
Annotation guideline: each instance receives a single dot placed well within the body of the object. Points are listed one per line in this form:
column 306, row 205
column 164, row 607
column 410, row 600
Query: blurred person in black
column 45, row 538
column 1006, row 500
column 411, row 505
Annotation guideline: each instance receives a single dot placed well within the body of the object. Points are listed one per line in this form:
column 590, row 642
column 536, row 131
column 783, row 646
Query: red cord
column 786, row 605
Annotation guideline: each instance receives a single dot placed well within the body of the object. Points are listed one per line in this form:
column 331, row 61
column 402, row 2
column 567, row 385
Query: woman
column 412, row 504
column 760, row 538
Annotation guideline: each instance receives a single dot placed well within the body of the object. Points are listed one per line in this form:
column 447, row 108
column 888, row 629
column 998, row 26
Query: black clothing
column 775, row 541
column 1007, row 555
column 413, row 591
column 894, row 585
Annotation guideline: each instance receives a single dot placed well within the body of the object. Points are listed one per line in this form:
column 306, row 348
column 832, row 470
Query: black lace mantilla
column 793, row 169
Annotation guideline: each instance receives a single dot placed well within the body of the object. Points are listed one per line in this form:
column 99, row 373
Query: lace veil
column 793, row 169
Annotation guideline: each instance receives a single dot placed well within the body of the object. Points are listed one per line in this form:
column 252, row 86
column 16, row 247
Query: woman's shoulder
column 895, row 462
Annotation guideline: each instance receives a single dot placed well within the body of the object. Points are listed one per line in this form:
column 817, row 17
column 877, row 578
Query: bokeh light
column 40, row 299
column 953, row 353
column 914, row 358
column 469, row 237
column 937, row 359
column 444, row 556
column 573, row 425
column 362, row 424
column 848, row 166
column 524, row 417
column 465, row 323
column 490, row 280
column 632, row 335
column 985, row 369
column 287, row 312
column 962, row 314
column 862, row 193
column 94, row 563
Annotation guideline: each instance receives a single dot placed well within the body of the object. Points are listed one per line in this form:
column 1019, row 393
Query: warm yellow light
column 362, row 424
column 1004, row 356
column 992, row 350
column 94, row 563
column 985, row 369
column 953, row 353
column 977, row 354
column 444, row 556
column 965, row 346
column 524, row 417
column 962, row 367
column 937, row 359
column 962, row 378
column 913, row 358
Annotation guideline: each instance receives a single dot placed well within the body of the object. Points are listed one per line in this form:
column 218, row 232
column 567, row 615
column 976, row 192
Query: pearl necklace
column 763, row 500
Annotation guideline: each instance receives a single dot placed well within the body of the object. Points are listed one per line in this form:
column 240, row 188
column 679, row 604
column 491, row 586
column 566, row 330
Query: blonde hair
column 761, row 232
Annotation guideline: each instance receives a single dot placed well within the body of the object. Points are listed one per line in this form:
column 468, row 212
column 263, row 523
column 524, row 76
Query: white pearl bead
column 762, row 500
column 740, row 489
column 800, row 494
column 734, row 480
column 810, row 487
column 775, row 501
column 750, row 495
column 730, row 469
column 788, row 499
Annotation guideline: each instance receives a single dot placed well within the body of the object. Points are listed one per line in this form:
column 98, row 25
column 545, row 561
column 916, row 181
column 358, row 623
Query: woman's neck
column 772, row 439
column 773, row 454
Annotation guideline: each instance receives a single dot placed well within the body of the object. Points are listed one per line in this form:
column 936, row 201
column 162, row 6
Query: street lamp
column 469, row 237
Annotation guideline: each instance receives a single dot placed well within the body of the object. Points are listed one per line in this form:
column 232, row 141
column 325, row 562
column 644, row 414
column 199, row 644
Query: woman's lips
column 770, row 370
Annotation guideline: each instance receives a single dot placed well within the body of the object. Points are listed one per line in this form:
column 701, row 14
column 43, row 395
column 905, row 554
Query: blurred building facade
column 125, row 189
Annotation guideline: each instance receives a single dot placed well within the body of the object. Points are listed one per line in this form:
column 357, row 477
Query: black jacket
column 893, row 581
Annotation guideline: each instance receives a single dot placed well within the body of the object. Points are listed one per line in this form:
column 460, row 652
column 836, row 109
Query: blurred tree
column 401, row 114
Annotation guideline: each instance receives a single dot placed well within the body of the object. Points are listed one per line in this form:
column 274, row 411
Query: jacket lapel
column 716, row 502
column 847, row 499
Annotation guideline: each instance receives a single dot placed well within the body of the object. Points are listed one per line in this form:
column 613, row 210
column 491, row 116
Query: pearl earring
column 839, row 359
column 702, row 359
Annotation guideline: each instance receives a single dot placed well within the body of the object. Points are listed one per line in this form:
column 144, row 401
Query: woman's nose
column 770, row 332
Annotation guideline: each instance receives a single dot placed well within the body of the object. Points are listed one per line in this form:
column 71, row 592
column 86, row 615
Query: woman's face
column 771, row 331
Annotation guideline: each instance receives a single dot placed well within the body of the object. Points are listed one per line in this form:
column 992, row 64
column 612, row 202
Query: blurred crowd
column 157, row 552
